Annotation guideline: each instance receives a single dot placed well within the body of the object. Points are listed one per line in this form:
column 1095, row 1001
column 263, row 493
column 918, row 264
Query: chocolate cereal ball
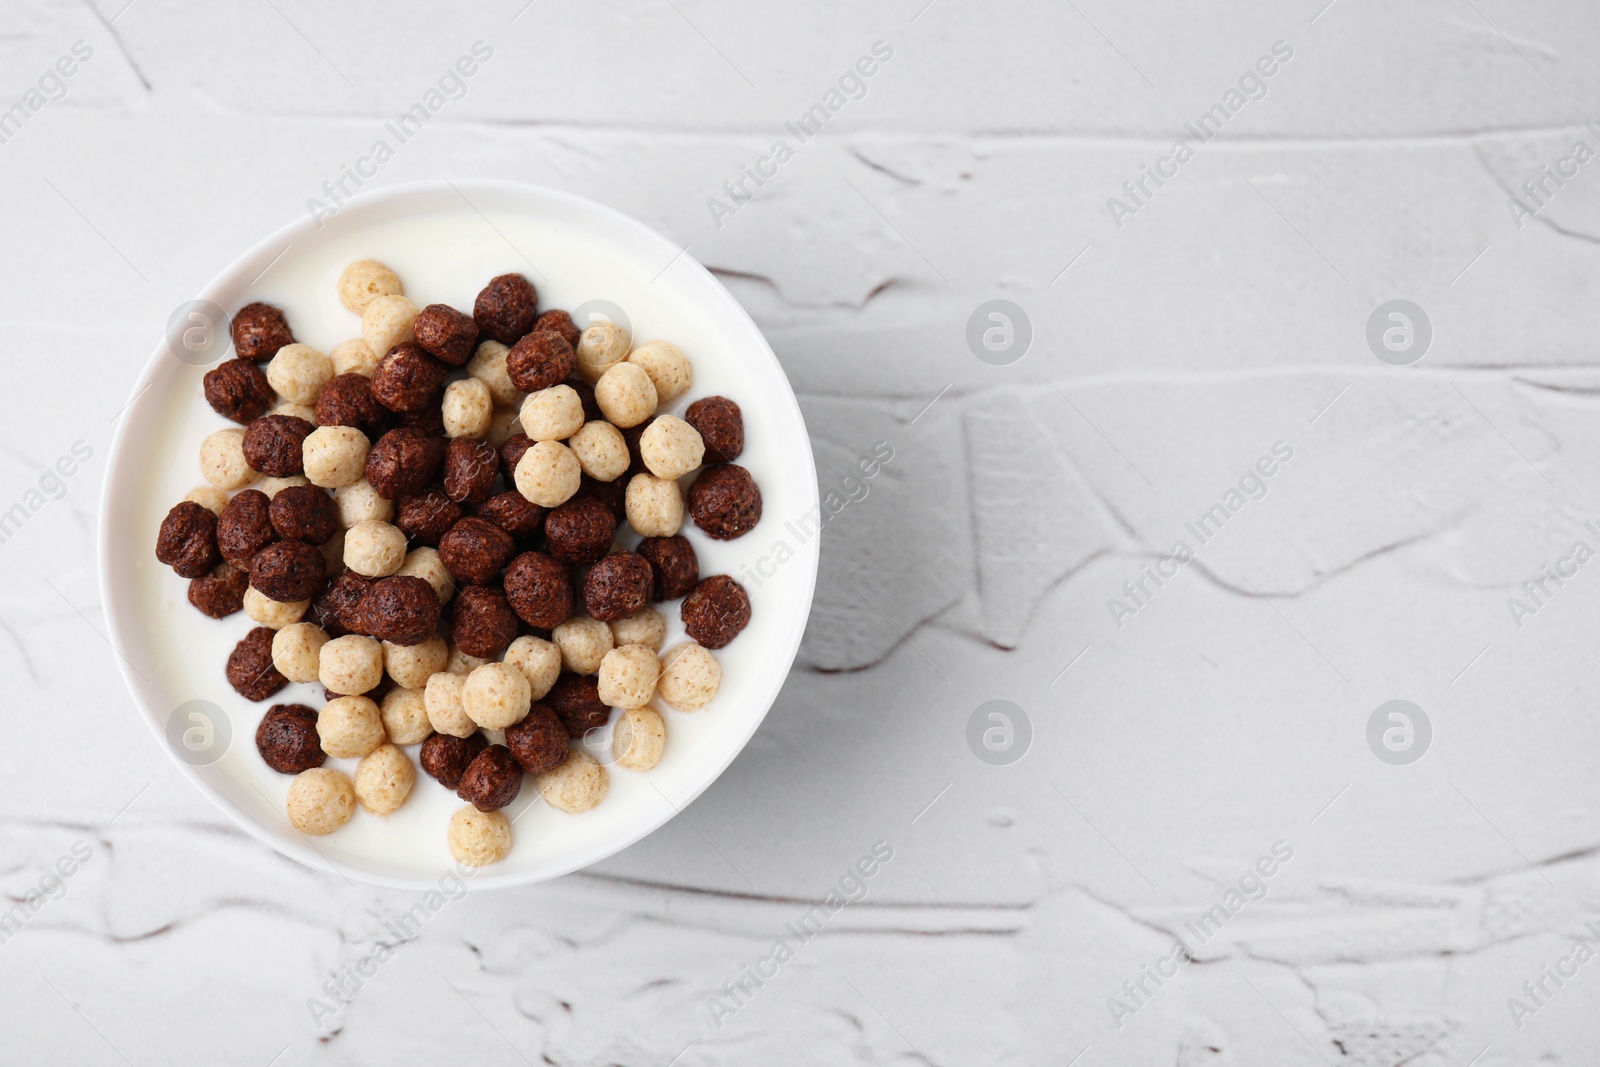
column 476, row 550
column 237, row 389
column 445, row 334
column 259, row 330
column 400, row 609
column 492, row 780
column 539, row 741
column 516, row 515
column 539, row 361
column 250, row 670
column 407, row 378
column 511, row 451
column 612, row 494
column 187, row 541
column 505, row 309
column 427, row 420
column 721, row 427
column 725, row 501
column 304, row 513
column 470, row 467
column 404, row 461
column 575, row 698
column 539, row 589
column 426, row 516
column 245, row 527
column 580, row 531
column 447, row 758
column 585, row 391
column 288, row 571
column 673, row 565
column 273, row 445
column 618, row 586
column 716, row 611
column 482, row 623
column 219, row 593
column 347, row 400
column 287, row 739
column 336, row 608
column 556, row 321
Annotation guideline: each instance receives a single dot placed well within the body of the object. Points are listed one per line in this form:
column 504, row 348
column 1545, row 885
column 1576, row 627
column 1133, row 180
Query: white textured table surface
column 1025, row 905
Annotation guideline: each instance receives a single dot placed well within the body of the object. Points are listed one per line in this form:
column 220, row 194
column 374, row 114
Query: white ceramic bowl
column 445, row 241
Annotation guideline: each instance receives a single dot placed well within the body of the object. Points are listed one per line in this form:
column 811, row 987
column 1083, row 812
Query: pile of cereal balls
column 425, row 522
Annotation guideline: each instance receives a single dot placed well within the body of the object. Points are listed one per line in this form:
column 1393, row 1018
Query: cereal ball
column 187, row 541
column 580, row 531
column 576, row 786
column 538, row 660
column 333, row 553
column 304, row 513
column 673, row 563
column 725, row 501
column 245, row 527
column 638, row 739
column 556, row 321
column 600, row 346
column 645, row 627
column 721, row 427
column 273, row 486
column 476, row 550
column 617, row 586
column 387, row 322
column 407, row 378
column 463, row 664
column 412, row 665
column 552, row 414
column 631, row 436
column 540, row 361
column 297, row 650
column 547, row 474
column 468, row 408
column 250, row 670
column 583, row 642
column 483, row 624
column 671, row 447
column 427, row 420
column 353, row 357
column 716, row 611
column 237, row 390
column 479, row 838
column 539, row 589
column 601, row 451
column 689, row 676
column 425, row 563
column 298, row 373
column 222, row 461
column 335, row 456
column 470, row 468
column 426, row 516
column 539, row 741
column 374, row 549
column 488, row 365
column 404, row 461
column 347, row 400
column 350, row 665
column 401, row 610
column 446, row 757
column 336, row 608
column 219, row 593
column 405, row 715
column 668, row 368
column 364, row 281
column 492, row 780
column 349, row 726
column 287, row 739
column 445, row 333
column 288, row 571
column 516, row 515
column 627, row 677
column 299, row 411
column 442, row 698
column 575, row 698
column 505, row 309
column 358, row 502
column 655, row 506
column 505, row 423
column 209, row 497
column 269, row 613
column 496, row 695
column 611, row 495
column 320, row 800
column 384, row 778
column 626, row 394
column 511, row 452
column 585, row 391
column 258, row 331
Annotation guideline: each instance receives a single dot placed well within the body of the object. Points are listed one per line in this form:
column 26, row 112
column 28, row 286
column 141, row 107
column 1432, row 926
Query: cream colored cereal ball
column 333, row 553
column 273, row 486
column 468, row 407
column 374, row 549
column 387, row 322
column 320, row 800
column 479, row 838
column 359, row 501
column 638, row 739
column 412, row 665
column 668, row 368
column 552, row 414
column 576, row 786
column 671, row 447
column 405, row 716
column 298, row 372
column 504, row 424
column 538, row 660
column 425, row 563
column 349, row 727
column 461, row 663
column 548, row 474
column 628, row 676
column 364, row 281
column 654, row 505
column 600, row 347
column 496, row 695
column 583, row 642
column 442, row 696
column 690, row 676
column 601, row 451
column 209, row 497
column 299, row 411
column 335, row 456
column 350, row 665
column 384, row 778
column 488, row 365
column 297, row 650
column 222, row 460
column 626, row 395
column 353, row 357
column 647, row 627
column 273, row 614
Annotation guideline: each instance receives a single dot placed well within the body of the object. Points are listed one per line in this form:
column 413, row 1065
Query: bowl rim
column 227, row 278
